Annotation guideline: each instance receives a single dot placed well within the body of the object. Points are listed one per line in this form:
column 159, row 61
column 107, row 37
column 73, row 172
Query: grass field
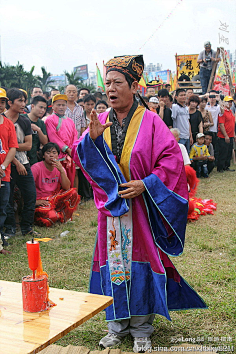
column 208, row 265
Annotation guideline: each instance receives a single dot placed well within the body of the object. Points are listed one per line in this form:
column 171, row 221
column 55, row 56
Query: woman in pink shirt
column 56, row 201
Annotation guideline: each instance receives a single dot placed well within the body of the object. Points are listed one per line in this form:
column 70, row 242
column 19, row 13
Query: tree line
column 16, row 76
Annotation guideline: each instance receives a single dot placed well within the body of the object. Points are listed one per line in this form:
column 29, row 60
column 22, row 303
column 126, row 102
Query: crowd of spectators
column 37, row 172
column 204, row 125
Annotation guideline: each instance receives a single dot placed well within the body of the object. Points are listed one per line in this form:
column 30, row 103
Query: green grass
column 208, row 265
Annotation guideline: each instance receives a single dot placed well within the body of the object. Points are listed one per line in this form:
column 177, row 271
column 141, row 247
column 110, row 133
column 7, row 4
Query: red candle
column 33, row 255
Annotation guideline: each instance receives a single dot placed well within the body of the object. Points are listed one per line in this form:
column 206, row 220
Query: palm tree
column 45, row 80
column 73, row 79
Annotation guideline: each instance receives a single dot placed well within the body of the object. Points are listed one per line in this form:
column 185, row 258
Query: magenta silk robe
column 135, row 237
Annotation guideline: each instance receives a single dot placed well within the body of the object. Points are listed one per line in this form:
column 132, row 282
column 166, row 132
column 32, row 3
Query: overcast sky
column 63, row 34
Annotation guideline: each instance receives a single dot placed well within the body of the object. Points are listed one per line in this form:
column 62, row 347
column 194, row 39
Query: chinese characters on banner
column 187, row 64
column 223, row 28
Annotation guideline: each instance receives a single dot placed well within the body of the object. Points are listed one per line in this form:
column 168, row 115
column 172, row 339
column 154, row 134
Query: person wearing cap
column 206, row 59
column 8, row 145
column 137, row 174
column 153, row 104
column 226, row 136
column 199, row 155
column 222, row 87
column 61, row 131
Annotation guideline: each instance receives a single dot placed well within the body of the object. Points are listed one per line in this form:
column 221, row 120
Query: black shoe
column 229, row 169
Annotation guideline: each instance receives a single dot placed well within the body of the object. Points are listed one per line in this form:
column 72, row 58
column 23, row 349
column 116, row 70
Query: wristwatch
column 3, row 167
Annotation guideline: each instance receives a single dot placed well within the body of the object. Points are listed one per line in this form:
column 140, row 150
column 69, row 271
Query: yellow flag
column 142, row 82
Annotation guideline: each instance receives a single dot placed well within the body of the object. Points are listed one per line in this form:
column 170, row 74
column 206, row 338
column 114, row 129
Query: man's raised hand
column 95, row 127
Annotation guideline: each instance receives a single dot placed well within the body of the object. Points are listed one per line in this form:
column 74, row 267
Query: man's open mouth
column 112, row 98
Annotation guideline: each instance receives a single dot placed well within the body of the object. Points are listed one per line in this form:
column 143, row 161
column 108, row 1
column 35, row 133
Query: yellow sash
column 130, row 139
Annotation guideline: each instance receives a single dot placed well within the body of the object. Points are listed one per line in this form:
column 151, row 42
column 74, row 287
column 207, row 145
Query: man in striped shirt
column 75, row 111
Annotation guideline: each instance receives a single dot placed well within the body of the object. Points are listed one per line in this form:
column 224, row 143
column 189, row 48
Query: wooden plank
column 105, row 351
column 22, row 332
column 115, row 351
column 71, row 349
column 52, row 349
column 213, row 72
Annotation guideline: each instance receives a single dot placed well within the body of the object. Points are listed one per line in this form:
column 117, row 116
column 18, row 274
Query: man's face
column 189, row 93
column 101, row 108
column 168, row 88
column 2, row 105
column 150, row 92
column 212, row 100
column 59, row 107
column 54, row 93
column 18, row 105
column 208, row 48
column 119, row 94
column 83, row 93
column 201, row 140
column 37, row 91
column 181, row 98
column 71, row 92
column 208, row 140
column 88, row 106
column 163, row 99
column 39, row 109
column 50, row 155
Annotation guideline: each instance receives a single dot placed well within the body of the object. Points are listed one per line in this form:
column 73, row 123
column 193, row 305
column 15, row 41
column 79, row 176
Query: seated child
column 56, row 201
column 199, row 155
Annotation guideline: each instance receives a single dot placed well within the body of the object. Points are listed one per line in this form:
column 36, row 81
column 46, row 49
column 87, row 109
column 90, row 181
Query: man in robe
column 136, row 170
column 61, row 131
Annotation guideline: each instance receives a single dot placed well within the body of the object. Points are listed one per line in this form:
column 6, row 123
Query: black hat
column 129, row 65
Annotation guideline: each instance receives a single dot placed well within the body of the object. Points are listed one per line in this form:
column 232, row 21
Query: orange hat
column 3, row 93
column 59, row 97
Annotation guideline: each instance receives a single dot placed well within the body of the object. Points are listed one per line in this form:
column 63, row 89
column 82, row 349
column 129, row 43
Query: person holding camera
column 206, row 59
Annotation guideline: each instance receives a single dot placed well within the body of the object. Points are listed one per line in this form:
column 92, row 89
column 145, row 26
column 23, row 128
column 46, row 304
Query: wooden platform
column 70, row 349
column 29, row 333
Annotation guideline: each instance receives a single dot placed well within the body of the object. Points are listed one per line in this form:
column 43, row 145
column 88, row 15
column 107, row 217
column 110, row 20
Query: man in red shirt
column 226, row 136
column 8, row 145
